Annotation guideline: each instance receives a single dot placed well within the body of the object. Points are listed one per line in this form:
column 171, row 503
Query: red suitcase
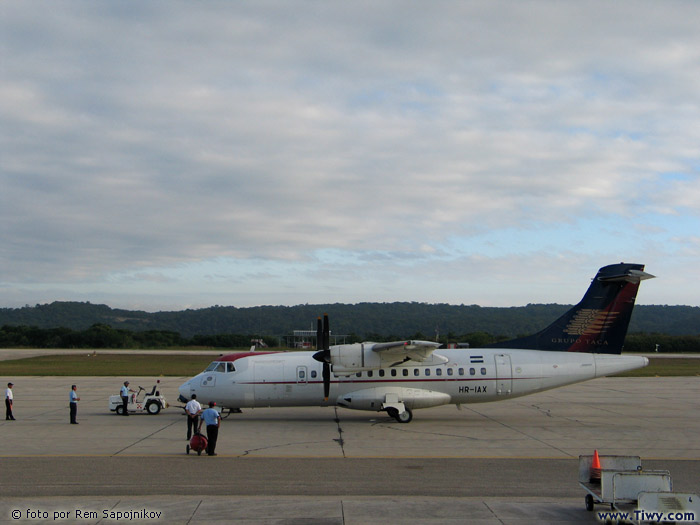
column 198, row 443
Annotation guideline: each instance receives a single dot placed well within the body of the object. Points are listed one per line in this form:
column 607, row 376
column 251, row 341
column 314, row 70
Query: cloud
column 146, row 139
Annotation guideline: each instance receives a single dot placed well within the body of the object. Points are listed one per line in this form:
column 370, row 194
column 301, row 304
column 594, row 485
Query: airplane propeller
column 323, row 343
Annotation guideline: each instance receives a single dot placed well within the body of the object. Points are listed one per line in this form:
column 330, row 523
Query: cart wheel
column 187, row 448
column 589, row 502
column 199, row 452
column 120, row 410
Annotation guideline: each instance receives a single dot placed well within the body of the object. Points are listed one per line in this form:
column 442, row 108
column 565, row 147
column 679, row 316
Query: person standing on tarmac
column 73, row 404
column 192, row 410
column 212, row 418
column 9, row 399
column 125, row 397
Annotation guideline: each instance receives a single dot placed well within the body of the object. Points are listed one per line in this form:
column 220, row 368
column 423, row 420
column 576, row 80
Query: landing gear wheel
column 393, row 413
column 590, row 504
column 404, row 417
column 153, row 408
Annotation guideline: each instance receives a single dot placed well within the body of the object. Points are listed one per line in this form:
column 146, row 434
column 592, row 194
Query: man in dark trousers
column 9, row 399
column 73, row 404
column 212, row 419
column 124, row 393
column 192, row 410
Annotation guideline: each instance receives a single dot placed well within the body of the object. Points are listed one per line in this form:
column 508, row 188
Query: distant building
column 306, row 339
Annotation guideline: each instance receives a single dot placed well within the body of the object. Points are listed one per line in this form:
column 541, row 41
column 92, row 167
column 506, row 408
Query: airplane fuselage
column 284, row 379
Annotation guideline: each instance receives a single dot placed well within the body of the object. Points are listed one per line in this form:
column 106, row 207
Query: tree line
column 367, row 320
column 105, row 336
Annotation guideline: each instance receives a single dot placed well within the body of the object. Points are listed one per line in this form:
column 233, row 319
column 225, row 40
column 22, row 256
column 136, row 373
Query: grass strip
column 107, row 365
column 189, row 365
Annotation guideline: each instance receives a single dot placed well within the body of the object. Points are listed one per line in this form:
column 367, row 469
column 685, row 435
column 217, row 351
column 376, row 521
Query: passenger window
column 381, row 373
column 461, row 371
column 416, row 372
column 393, row 372
column 359, row 374
column 314, row 374
column 450, row 371
column 302, row 374
column 438, row 372
column 370, row 373
column 472, row 372
column 405, row 371
column 427, row 371
column 483, row 371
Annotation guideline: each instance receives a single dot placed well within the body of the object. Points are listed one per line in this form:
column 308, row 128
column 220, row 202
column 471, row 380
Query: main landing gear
column 402, row 417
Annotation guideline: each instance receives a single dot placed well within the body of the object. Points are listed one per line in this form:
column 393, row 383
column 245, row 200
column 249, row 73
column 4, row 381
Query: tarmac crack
column 194, row 512
column 251, row 450
column 390, row 424
column 145, row 438
column 509, row 427
column 492, row 512
column 340, row 440
column 101, row 520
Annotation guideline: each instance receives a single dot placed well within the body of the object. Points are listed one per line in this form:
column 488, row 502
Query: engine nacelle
column 358, row 357
column 375, row 398
column 350, row 359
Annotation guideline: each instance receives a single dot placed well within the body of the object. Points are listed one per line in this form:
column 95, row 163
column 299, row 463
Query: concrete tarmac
column 514, row 461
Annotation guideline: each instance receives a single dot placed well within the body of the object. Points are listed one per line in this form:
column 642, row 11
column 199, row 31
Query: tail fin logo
column 590, row 321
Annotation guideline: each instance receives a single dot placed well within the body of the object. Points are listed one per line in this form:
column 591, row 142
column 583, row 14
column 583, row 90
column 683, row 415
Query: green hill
column 362, row 320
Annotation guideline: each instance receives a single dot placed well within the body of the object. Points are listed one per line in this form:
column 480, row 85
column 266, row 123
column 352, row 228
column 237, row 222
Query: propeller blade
column 323, row 355
column 326, row 381
column 326, row 334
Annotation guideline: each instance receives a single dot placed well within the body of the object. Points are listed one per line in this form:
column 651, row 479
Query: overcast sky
column 170, row 155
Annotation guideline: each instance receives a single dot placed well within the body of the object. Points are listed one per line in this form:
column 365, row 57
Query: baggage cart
column 625, row 486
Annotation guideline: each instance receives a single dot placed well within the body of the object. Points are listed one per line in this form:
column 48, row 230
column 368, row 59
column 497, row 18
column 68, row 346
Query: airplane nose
column 185, row 392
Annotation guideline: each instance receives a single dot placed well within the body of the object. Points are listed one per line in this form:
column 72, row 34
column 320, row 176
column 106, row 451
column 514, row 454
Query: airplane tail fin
column 598, row 324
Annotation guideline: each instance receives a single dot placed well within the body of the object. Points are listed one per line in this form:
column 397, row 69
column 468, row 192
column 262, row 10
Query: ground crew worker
column 125, row 398
column 9, row 399
column 73, row 404
column 192, row 410
column 212, row 418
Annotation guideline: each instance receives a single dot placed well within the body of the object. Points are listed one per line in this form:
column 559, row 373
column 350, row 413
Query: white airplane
column 402, row 376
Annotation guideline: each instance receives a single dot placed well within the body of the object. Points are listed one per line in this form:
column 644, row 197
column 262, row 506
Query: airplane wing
column 398, row 352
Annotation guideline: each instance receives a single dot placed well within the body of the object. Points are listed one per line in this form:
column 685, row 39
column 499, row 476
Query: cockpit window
column 230, row 367
column 216, row 366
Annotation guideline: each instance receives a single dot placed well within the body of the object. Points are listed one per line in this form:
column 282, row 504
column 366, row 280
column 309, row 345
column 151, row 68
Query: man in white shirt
column 9, row 398
column 192, row 410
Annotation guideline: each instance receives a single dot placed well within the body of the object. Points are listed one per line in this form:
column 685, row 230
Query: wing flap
column 397, row 352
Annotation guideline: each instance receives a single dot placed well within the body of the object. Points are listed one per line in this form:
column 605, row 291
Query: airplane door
column 504, row 375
